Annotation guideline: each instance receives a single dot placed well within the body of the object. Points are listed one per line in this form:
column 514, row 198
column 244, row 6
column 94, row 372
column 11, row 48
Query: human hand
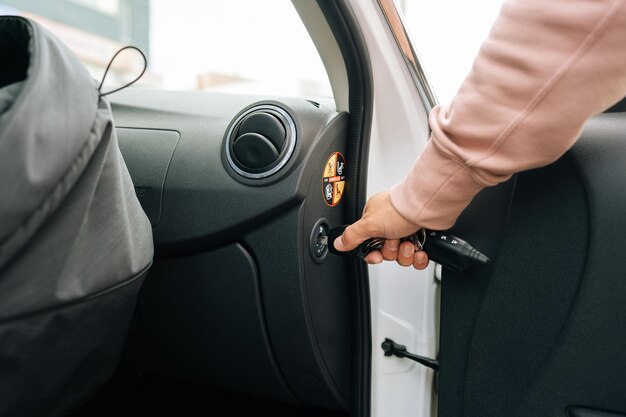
column 380, row 219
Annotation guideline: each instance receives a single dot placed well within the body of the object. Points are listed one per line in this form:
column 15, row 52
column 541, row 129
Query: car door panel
column 541, row 329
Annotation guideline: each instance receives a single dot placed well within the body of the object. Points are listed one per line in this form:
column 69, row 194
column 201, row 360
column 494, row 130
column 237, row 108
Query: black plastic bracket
column 392, row 348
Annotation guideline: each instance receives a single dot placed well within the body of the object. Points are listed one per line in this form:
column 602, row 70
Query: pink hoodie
column 546, row 67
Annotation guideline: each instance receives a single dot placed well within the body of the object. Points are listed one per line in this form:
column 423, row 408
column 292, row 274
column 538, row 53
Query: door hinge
column 392, row 348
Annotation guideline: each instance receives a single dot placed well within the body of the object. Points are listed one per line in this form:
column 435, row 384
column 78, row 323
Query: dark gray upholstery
column 74, row 242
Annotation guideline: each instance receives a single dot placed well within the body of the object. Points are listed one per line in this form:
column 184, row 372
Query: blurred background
column 238, row 46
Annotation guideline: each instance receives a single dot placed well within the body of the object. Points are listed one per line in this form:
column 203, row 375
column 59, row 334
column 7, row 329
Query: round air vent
column 260, row 141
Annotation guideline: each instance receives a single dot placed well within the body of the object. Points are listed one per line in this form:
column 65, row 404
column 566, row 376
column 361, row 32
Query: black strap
column 145, row 66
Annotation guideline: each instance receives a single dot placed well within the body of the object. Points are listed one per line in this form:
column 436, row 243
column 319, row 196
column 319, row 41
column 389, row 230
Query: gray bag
column 74, row 241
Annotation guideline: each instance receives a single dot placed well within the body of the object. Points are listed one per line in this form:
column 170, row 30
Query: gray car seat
column 74, row 241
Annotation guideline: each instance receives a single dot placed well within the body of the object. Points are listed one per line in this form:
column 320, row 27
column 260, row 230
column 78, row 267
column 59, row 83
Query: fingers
column 381, row 220
column 353, row 236
column 420, row 260
column 390, row 249
column 374, row 257
column 405, row 254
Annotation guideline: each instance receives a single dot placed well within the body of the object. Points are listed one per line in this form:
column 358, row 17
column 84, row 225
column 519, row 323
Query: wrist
column 435, row 191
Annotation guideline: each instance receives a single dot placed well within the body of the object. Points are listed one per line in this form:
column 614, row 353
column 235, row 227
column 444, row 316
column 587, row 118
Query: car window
column 235, row 46
column 447, row 35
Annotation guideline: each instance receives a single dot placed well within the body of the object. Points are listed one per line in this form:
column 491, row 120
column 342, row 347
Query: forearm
column 546, row 67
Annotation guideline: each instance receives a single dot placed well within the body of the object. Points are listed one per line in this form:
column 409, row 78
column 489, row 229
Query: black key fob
column 443, row 248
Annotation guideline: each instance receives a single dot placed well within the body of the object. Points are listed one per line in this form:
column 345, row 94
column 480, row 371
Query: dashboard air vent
column 260, row 141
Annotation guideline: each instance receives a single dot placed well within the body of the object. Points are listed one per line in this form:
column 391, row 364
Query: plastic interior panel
column 202, row 316
column 346, row 30
column 587, row 412
column 234, row 286
column 316, row 294
column 541, row 329
column 288, row 307
column 148, row 153
column 199, row 182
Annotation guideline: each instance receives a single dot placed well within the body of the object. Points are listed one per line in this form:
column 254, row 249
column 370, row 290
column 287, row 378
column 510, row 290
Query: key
column 444, row 248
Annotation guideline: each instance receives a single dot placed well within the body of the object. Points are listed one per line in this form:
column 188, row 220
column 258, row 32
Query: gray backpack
column 74, row 241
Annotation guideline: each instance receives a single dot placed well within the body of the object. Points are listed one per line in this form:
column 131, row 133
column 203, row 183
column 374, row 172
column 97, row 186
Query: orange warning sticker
column 334, row 179
column 331, row 166
column 338, row 190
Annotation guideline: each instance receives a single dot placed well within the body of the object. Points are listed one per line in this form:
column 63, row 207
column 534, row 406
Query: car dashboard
column 239, row 297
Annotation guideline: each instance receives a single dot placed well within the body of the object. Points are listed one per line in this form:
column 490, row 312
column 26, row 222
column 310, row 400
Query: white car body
column 404, row 302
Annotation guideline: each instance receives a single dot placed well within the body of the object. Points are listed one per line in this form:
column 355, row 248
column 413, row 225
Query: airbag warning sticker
column 334, row 179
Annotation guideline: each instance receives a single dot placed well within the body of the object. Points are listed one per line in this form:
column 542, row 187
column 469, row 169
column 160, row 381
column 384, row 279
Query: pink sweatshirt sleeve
column 546, row 67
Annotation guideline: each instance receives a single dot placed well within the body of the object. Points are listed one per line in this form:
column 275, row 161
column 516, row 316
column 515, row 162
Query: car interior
column 243, row 314
column 237, row 297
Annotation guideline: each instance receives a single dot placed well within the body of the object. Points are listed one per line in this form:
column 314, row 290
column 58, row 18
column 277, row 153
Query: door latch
column 392, row 348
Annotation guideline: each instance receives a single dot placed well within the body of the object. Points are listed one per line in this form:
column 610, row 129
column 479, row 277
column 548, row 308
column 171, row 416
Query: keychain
column 443, row 248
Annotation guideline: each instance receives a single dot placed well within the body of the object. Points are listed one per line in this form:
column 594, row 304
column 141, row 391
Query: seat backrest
column 543, row 328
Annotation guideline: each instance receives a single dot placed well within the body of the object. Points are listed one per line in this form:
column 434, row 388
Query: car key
column 448, row 250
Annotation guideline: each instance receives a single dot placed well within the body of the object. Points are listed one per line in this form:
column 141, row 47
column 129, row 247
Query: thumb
column 352, row 236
